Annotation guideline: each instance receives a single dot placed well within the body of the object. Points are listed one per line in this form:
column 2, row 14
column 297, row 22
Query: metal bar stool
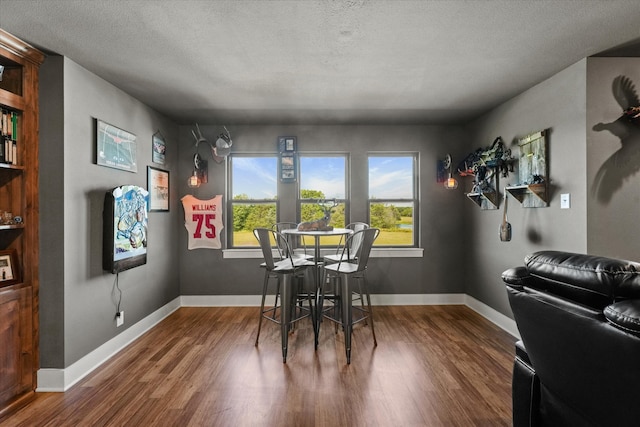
column 285, row 272
column 349, row 255
column 344, row 272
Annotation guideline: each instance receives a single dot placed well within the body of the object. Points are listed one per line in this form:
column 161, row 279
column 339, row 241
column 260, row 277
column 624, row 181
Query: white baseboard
column 505, row 323
column 60, row 380
column 494, row 316
column 220, row 300
column 417, row 299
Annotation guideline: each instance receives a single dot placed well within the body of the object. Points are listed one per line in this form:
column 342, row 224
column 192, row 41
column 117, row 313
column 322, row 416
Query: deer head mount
column 220, row 149
column 321, row 224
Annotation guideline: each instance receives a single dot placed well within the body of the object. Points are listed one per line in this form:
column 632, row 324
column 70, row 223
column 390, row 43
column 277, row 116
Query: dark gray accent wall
column 613, row 147
column 559, row 105
column 443, row 213
column 462, row 250
column 77, row 299
column 51, row 200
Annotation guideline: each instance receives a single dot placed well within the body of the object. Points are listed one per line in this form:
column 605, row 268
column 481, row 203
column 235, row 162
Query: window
column 253, row 186
column 323, row 177
column 256, row 197
column 393, row 198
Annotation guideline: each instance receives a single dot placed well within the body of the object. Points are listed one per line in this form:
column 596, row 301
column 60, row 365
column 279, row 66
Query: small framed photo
column 9, row 269
column 159, row 148
column 158, row 188
column 287, row 162
column 288, row 167
column 287, row 144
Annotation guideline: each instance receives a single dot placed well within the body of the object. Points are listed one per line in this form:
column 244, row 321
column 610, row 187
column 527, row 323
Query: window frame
column 293, row 208
column 347, row 184
column 415, row 156
column 231, row 201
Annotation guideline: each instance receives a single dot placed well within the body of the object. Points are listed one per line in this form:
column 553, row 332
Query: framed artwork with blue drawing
column 125, row 227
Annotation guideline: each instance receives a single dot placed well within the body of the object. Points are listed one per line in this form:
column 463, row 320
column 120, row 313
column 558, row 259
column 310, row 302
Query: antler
column 324, row 203
column 200, row 138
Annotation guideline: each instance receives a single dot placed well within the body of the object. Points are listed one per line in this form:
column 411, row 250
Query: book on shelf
column 9, row 137
column 14, row 126
column 3, row 123
column 8, row 150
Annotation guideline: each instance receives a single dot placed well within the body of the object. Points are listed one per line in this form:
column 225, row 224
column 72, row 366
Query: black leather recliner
column 578, row 363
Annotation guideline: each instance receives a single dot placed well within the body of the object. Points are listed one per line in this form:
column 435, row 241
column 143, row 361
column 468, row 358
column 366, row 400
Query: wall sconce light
column 450, row 183
column 194, row 181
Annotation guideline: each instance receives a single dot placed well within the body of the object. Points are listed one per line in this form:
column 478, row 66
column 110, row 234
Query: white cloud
column 391, row 185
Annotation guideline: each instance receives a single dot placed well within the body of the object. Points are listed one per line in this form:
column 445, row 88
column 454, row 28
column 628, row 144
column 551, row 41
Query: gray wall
column 613, row 147
column 463, row 253
column 51, row 175
column 78, row 300
column 443, row 213
column 559, row 105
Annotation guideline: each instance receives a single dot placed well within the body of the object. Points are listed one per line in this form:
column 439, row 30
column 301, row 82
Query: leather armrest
column 624, row 315
column 516, row 277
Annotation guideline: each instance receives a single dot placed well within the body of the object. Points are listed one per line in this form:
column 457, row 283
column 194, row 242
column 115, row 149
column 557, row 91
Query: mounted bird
column 624, row 162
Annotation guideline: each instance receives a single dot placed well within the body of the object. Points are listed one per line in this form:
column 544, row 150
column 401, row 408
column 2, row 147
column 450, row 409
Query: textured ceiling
column 323, row 61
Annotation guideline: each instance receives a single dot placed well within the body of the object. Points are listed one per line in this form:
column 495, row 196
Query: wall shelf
column 9, row 166
column 11, row 226
column 530, row 195
column 487, row 200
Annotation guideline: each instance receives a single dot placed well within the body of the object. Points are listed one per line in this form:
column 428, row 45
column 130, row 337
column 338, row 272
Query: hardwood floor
column 433, row 366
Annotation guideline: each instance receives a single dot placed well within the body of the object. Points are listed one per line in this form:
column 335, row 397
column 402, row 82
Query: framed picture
column 287, row 144
column 159, row 147
column 288, row 167
column 115, row 148
column 9, row 269
column 125, row 226
column 158, row 188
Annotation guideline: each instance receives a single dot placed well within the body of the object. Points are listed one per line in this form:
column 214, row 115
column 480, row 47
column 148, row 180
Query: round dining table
column 317, row 234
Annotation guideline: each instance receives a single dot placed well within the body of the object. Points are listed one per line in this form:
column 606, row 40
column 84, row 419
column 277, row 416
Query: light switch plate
column 565, row 201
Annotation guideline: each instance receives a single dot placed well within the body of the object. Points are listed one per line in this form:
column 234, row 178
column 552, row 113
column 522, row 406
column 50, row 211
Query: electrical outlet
column 120, row 319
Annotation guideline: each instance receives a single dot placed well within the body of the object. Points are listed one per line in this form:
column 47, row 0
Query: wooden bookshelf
column 19, row 323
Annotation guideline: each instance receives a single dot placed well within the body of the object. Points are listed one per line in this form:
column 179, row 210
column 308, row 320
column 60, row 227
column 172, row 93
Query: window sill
column 375, row 253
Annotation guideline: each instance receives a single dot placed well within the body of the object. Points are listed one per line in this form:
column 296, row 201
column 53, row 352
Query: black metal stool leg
column 370, row 313
column 285, row 309
column 347, row 316
column 264, row 297
column 318, row 309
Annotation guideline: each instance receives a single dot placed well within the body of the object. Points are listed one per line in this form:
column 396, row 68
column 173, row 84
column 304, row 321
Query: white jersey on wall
column 203, row 221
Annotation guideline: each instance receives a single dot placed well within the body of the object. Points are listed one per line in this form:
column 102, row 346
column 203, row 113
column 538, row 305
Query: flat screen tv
column 125, row 228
